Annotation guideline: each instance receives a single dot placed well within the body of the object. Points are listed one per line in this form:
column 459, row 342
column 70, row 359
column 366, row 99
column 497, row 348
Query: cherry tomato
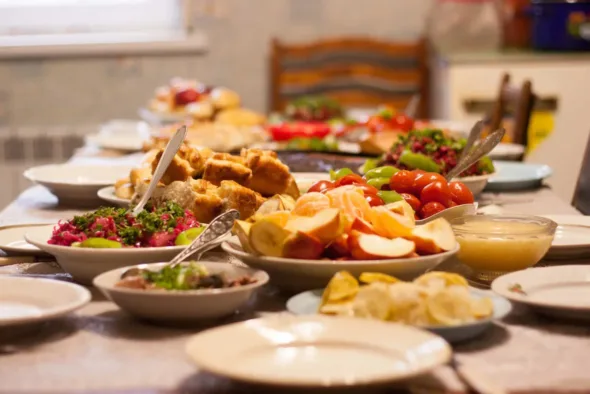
column 412, row 200
column 403, row 122
column 402, row 181
column 430, row 209
column 351, row 179
column 368, row 190
column 425, row 178
column 436, row 191
column 452, row 204
column 321, row 186
column 374, row 200
column 461, row 193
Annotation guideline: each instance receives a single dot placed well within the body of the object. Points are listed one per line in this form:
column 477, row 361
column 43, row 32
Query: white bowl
column 86, row 263
column 74, row 183
column 475, row 183
column 181, row 305
column 31, row 300
column 300, row 275
column 317, row 351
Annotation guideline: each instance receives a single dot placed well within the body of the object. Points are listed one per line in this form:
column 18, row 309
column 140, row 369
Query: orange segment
column 311, row 203
column 389, row 224
column 351, row 203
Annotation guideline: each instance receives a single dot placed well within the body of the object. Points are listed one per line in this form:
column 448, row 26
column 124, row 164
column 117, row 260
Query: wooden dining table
column 100, row 349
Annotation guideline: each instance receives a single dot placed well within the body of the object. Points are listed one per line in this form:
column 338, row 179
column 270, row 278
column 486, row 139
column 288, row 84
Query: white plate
column 512, row 175
column 299, row 275
column 562, row 291
column 506, row 151
column 12, row 239
column 313, row 351
column 30, row 300
column 157, row 119
column 572, row 237
column 308, row 303
column 125, row 127
column 186, row 305
column 75, row 183
column 108, row 194
column 84, row 264
column 121, row 142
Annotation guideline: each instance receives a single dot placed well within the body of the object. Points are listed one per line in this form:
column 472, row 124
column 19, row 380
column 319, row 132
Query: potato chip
column 341, row 287
column 372, row 302
column 482, row 308
column 450, row 306
column 370, row 277
column 435, row 276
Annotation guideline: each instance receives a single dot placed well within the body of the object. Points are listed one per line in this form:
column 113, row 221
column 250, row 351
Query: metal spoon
column 169, row 153
column 474, row 135
column 216, row 230
column 412, row 107
column 479, row 151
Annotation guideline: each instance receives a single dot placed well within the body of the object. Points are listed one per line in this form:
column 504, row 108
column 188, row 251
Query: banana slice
column 268, row 237
column 242, row 229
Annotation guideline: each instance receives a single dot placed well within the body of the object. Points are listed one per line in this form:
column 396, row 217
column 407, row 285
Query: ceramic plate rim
column 228, row 247
column 562, row 220
column 84, row 297
column 444, row 355
column 478, row 292
column 58, row 249
column 108, row 194
column 12, row 249
column 28, row 173
column 500, row 285
column 110, row 287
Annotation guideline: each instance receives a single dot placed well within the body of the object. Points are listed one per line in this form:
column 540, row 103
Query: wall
column 47, row 105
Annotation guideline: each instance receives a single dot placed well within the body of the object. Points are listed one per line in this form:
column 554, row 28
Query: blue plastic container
column 560, row 25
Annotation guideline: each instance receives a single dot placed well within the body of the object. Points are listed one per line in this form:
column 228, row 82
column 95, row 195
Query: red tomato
column 452, row 204
column 321, row 186
column 403, row 122
column 350, row 179
column 461, row 193
column 436, row 191
column 425, row 178
column 368, row 190
column 430, row 209
column 412, row 200
column 287, row 131
column 402, row 181
column 374, row 200
column 186, row 96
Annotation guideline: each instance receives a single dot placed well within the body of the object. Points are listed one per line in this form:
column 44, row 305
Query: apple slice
column 363, row 226
column 287, row 201
column 338, row 248
column 402, row 208
column 242, row 229
column 269, row 206
column 302, row 246
column 434, row 237
column 268, row 237
column 373, row 247
column 390, row 224
column 325, row 225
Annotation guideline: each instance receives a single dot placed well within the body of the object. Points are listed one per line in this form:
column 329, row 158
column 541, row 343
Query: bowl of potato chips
column 440, row 302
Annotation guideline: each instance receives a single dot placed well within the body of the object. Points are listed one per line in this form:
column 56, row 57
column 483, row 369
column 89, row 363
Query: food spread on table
column 166, row 225
column 209, row 183
column 341, row 224
column 191, row 276
column 433, row 299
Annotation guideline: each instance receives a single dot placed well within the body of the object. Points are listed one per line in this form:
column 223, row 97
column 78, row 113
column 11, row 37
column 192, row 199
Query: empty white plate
column 572, row 237
column 30, row 300
column 317, row 351
column 512, row 175
column 108, row 194
column 75, row 183
column 12, row 239
column 562, row 291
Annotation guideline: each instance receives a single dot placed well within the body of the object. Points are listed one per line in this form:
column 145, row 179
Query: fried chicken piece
column 236, row 196
column 269, row 175
column 140, row 174
column 216, row 171
column 228, row 157
column 245, row 153
column 178, row 170
column 207, row 207
column 202, row 186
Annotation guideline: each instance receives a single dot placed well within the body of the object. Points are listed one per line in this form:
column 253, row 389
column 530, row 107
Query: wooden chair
column 581, row 199
column 518, row 101
column 358, row 72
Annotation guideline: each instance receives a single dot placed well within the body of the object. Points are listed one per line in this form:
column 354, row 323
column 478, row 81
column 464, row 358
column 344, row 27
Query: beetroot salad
column 431, row 150
column 153, row 227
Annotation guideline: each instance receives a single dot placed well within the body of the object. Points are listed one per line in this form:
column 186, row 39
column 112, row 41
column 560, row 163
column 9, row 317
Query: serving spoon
column 208, row 239
column 169, row 153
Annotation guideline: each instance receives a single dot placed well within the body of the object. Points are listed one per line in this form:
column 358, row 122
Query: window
column 36, row 23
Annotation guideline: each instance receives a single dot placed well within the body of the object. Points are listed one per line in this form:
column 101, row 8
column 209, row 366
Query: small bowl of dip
column 493, row 245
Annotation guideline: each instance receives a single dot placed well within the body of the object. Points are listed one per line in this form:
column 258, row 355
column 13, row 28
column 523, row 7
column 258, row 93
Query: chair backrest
column 519, row 101
column 581, row 199
column 358, row 72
